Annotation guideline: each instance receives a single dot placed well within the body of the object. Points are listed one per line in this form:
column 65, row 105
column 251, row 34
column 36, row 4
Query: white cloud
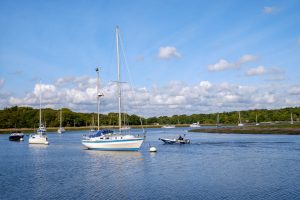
column 269, row 9
column 173, row 98
column 224, row 64
column 246, row 58
column 260, row 70
column 168, row 52
column 221, row 65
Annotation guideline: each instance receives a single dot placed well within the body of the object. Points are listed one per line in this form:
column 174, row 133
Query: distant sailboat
column 60, row 129
column 240, row 121
column 218, row 120
column 107, row 140
column 257, row 124
column 41, row 136
column 292, row 121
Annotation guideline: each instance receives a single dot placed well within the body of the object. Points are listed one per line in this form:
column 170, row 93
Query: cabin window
column 121, row 137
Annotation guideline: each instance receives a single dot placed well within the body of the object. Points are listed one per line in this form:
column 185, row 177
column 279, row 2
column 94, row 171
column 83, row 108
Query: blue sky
column 169, row 45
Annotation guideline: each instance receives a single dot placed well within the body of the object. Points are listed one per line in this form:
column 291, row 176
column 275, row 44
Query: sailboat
column 40, row 137
column 218, row 120
column 240, row 121
column 107, row 140
column 257, row 124
column 125, row 127
column 292, row 121
column 60, row 129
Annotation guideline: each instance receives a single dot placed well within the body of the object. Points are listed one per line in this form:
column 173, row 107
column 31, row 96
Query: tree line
column 27, row 117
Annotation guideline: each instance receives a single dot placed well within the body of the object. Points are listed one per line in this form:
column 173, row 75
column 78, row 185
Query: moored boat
column 40, row 137
column 16, row 136
column 107, row 140
column 195, row 125
column 179, row 140
column 168, row 126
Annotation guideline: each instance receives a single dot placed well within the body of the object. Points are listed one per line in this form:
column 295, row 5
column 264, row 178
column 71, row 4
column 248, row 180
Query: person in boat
column 180, row 137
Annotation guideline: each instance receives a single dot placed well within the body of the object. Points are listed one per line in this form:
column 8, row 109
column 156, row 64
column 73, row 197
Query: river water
column 213, row 166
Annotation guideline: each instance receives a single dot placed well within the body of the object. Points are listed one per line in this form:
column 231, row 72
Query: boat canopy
column 101, row 132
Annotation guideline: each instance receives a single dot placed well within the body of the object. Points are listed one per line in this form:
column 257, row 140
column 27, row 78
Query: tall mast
column 98, row 99
column 60, row 118
column 240, row 121
column 40, row 104
column 118, row 63
column 256, row 118
column 292, row 121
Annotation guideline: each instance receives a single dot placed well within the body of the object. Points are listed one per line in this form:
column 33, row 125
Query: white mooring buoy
column 152, row 149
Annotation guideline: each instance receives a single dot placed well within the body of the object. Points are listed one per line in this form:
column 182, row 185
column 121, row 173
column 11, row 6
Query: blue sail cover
column 101, row 132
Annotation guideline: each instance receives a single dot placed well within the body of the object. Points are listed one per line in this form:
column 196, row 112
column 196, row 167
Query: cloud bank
column 173, row 98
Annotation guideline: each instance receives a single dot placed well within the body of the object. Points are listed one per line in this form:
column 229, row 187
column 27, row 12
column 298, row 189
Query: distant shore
column 251, row 130
column 54, row 129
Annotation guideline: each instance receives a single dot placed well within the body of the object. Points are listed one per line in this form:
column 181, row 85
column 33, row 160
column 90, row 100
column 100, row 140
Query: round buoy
column 152, row 149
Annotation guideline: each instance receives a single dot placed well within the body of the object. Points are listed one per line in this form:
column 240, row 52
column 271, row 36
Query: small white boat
column 61, row 130
column 195, row 125
column 125, row 128
column 40, row 137
column 168, row 126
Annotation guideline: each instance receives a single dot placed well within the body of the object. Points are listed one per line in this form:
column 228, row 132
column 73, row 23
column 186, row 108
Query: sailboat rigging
column 41, row 136
column 107, row 140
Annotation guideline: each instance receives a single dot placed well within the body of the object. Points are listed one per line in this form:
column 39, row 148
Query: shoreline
column 250, row 130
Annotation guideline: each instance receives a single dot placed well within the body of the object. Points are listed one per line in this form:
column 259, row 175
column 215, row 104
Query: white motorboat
column 168, row 126
column 107, row 140
column 40, row 137
column 125, row 128
column 195, row 125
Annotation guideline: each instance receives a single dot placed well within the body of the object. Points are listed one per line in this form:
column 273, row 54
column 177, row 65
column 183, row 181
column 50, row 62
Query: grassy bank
column 271, row 129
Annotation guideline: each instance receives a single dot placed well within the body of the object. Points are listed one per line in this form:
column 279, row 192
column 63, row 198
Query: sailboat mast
column 118, row 63
column 240, row 121
column 60, row 118
column 292, row 121
column 40, row 104
column 98, row 98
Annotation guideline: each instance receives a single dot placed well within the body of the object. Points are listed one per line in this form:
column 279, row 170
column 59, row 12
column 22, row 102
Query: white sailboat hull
column 114, row 145
column 38, row 139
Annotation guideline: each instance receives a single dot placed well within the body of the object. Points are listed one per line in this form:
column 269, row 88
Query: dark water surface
column 214, row 166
